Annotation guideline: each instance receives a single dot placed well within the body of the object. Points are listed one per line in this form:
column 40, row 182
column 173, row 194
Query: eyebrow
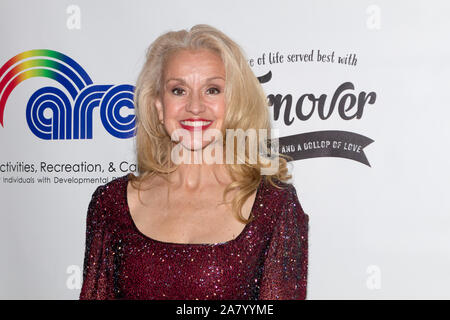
column 183, row 81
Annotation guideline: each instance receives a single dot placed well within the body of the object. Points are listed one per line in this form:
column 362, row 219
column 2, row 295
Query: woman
column 165, row 234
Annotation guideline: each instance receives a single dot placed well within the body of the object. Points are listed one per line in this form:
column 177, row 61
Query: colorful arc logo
column 55, row 114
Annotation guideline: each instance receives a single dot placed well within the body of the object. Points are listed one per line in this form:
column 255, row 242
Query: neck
column 199, row 176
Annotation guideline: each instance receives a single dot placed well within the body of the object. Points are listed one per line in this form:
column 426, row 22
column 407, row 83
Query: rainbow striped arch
column 63, row 113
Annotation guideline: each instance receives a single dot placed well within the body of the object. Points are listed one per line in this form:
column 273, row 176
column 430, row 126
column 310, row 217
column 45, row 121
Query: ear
column 159, row 109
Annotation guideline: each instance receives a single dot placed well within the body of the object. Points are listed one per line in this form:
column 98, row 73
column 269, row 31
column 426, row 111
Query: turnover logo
column 54, row 114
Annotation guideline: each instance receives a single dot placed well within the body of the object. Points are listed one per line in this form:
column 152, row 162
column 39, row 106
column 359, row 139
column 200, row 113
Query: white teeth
column 195, row 123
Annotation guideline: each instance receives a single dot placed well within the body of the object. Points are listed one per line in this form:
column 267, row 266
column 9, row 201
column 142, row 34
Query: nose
column 195, row 104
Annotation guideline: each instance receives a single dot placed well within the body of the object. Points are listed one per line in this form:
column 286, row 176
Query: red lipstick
column 192, row 127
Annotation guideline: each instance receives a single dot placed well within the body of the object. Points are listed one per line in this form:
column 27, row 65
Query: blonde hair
column 246, row 108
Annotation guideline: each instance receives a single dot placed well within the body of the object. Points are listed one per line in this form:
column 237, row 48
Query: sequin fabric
column 267, row 260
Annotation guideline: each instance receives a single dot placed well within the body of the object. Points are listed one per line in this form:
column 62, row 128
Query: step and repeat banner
column 358, row 91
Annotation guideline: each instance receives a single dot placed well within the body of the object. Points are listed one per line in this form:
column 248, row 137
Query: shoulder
column 283, row 200
column 107, row 196
column 279, row 190
column 111, row 189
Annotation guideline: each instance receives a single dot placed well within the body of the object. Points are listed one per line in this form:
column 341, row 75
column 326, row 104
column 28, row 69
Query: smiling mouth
column 195, row 124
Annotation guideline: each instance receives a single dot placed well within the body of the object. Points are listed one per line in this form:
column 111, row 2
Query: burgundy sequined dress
column 267, row 260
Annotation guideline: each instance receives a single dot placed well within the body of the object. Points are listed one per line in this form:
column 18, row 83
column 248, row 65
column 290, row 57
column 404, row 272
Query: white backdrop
column 379, row 229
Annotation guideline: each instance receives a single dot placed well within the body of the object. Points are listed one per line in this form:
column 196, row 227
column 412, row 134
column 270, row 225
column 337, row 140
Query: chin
column 196, row 146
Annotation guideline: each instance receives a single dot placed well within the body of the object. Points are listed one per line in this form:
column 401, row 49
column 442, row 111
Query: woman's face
column 192, row 96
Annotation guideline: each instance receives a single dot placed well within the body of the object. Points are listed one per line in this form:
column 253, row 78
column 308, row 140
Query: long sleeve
column 98, row 259
column 286, row 262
